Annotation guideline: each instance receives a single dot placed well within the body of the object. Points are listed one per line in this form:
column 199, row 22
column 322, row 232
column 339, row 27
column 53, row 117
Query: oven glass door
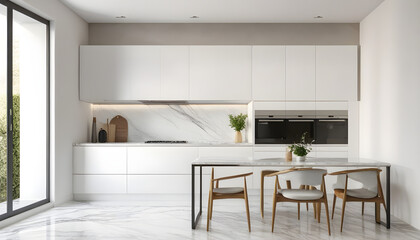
column 332, row 131
column 270, row 131
column 297, row 127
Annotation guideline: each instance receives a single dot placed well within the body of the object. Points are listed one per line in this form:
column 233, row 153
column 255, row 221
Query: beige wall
column 231, row 33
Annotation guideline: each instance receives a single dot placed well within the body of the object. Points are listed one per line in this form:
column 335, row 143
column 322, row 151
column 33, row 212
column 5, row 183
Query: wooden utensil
column 121, row 128
column 111, row 133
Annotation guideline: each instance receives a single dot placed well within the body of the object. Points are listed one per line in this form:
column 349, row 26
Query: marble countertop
column 281, row 162
column 142, row 144
column 196, row 144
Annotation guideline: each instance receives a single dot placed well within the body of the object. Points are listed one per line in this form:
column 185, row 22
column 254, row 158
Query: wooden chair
column 265, row 173
column 301, row 176
column 370, row 192
column 216, row 192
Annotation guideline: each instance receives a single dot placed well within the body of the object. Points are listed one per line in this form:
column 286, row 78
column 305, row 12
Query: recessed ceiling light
column 121, row 17
column 318, row 17
column 194, row 17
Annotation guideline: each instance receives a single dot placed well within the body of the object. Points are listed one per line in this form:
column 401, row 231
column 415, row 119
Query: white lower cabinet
column 160, row 160
column 264, row 155
column 99, row 160
column 158, row 184
column 167, row 170
column 99, row 184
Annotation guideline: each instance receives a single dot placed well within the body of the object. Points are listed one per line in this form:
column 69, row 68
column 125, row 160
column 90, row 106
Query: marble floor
column 162, row 218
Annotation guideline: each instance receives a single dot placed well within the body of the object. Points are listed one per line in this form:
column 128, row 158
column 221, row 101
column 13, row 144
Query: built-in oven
column 331, row 131
column 270, row 130
column 297, row 127
column 325, row 127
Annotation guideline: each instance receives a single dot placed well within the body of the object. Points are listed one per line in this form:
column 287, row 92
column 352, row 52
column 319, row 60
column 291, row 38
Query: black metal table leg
column 194, row 218
column 387, row 224
column 201, row 189
column 388, row 197
column 193, row 197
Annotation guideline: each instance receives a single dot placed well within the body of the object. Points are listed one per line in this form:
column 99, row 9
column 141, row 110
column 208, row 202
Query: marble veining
column 165, row 218
column 194, row 123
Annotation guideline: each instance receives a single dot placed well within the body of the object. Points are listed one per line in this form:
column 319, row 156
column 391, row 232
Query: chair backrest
column 368, row 179
column 312, row 177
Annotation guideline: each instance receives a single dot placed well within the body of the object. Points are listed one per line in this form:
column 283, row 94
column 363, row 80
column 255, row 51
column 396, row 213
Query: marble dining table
column 202, row 162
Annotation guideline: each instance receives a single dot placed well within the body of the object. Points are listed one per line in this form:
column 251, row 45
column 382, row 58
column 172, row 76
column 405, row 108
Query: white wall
column 33, row 91
column 390, row 99
column 69, row 116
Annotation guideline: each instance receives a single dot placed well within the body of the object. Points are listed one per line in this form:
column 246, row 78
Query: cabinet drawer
column 270, row 149
column 331, row 154
column 164, row 184
column 84, row 184
column 161, row 160
column 99, row 160
column 236, row 153
column 263, row 155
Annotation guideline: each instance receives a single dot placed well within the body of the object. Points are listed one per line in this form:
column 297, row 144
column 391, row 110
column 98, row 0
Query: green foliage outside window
column 16, row 148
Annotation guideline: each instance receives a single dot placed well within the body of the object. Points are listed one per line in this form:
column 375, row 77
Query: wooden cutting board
column 121, row 128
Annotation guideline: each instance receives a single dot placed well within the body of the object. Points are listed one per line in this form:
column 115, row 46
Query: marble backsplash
column 193, row 123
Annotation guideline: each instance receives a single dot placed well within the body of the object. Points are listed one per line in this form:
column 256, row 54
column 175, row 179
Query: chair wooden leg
column 273, row 215
column 208, row 211
column 247, row 211
column 211, row 208
column 342, row 213
column 262, row 195
column 319, row 212
column 314, row 204
column 298, row 211
column 378, row 212
column 333, row 207
column 363, row 208
column 328, row 217
column 307, row 206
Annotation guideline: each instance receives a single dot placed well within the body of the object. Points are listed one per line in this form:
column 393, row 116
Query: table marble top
column 281, row 162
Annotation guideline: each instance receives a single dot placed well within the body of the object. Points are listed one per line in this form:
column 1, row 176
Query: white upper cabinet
column 336, row 73
column 220, row 73
column 119, row 73
column 268, row 72
column 300, row 73
column 104, row 74
column 114, row 74
column 143, row 63
column 175, row 73
column 131, row 73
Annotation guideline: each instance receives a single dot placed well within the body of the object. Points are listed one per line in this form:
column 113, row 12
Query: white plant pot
column 300, row 158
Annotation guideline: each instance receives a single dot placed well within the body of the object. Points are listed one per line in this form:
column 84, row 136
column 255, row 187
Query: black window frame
column 10, row 8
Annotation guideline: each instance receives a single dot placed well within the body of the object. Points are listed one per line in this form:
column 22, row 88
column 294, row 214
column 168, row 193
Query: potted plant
column 301, row 149
column 238, row 123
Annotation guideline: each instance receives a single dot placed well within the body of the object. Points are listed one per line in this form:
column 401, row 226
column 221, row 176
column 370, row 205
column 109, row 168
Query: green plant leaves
column 238, row 122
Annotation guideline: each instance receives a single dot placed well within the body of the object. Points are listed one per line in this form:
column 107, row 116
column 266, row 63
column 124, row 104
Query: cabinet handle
column 271, row 121
column 337, row 120
column 301, row 120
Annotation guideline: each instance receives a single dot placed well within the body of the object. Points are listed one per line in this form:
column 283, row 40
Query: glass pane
column 3, row 109
column 29, row 110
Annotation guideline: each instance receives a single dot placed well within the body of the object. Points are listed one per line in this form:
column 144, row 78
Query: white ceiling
column 223, row 11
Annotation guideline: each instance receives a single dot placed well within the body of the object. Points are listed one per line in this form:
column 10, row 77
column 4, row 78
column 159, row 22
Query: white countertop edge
column 142, row 144
column 164, row 145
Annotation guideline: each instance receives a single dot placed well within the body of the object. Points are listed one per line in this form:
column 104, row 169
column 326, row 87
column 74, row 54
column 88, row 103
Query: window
column 24, row 110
